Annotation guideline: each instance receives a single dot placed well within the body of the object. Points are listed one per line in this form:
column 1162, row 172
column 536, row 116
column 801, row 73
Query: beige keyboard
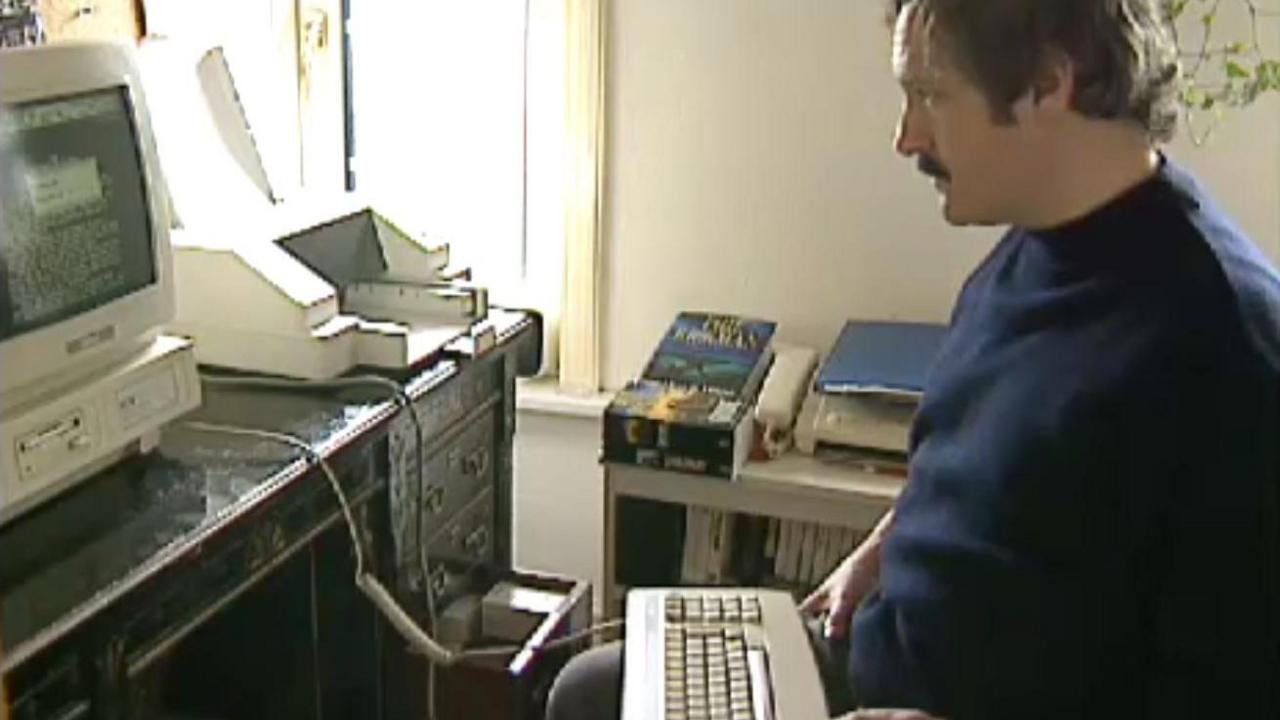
column 718, row 654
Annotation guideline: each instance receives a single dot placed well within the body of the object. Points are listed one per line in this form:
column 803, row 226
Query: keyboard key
column 674, row 608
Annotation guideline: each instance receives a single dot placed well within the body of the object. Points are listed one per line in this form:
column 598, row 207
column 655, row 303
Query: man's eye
column 928, row 96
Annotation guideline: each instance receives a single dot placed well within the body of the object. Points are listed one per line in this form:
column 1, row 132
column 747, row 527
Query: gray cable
column 418, row 640
column 368, row 584
column 402, row 397
column 405, row 401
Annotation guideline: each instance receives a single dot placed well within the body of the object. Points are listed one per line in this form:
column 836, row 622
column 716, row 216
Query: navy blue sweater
column 1089, row 529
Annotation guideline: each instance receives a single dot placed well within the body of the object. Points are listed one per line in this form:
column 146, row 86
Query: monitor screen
column 75, row 227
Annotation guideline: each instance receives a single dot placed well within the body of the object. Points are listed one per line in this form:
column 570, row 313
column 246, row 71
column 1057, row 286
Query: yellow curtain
column 585, row 121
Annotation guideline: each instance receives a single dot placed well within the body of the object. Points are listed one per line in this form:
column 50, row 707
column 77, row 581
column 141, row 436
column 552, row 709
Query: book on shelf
column 675, row 428
column 808, row 552
column 716, row 544
column 771, row 538
column 691, row 559
column 665, row 543
column 749, row 549
column 722, row 354
column 719, row 538
column 690, row 410
column 821, row 554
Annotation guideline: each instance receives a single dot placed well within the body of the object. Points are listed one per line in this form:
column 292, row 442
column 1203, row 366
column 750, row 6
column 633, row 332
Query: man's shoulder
column 1233, row 275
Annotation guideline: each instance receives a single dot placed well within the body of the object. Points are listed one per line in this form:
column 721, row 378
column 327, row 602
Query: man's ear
column 1051, row 89
column 1054, row 84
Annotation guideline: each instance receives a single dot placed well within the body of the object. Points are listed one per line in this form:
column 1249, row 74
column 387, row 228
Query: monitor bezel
column 46, row 356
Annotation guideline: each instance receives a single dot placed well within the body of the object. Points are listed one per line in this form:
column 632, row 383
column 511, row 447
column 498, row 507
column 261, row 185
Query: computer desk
column 213, row 577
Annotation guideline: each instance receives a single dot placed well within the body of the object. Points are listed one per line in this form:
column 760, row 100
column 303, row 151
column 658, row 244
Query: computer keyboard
column 718, row 654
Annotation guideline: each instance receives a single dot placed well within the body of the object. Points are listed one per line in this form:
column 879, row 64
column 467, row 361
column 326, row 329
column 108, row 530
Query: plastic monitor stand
column 312, row 294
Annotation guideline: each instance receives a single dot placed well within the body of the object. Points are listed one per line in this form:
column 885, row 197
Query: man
column 1089, row 529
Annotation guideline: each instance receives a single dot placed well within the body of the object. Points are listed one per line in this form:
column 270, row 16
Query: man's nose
column 910, row 138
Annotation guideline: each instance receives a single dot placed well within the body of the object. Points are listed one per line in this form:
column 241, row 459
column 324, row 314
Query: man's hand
column 839, row 595
column 844, row 589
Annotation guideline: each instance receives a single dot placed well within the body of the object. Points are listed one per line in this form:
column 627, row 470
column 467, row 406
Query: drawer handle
column 435, row 499
column 439, row 580
column 477, row 540
column 477, row 463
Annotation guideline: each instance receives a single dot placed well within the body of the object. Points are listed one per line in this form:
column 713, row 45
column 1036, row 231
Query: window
column 475, row 124
column 480, row 125
column 438, row 95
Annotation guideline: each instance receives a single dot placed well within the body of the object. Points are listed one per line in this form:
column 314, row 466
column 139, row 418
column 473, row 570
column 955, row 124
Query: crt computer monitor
column 85, row 268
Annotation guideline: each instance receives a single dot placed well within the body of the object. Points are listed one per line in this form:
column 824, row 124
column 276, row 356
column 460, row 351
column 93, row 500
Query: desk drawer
column 459, row 472
column 446, row 405
column 466, row 542
column 459, row 463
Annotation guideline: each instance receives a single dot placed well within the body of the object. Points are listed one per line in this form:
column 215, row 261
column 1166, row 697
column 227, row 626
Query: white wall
column 559, row 495
column 750, row 170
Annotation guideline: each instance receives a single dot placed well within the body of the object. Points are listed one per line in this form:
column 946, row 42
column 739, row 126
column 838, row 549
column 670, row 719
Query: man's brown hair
column 1122, row 53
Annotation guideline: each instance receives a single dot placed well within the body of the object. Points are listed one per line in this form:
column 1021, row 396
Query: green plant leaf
column 1268, row 75
column 1235, row 69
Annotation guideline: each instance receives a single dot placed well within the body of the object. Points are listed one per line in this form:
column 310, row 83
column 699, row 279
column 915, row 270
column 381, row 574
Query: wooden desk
column 213, row 578
column 795, row 487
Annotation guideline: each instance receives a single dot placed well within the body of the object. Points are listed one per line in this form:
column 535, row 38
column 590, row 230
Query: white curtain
column 580, row 320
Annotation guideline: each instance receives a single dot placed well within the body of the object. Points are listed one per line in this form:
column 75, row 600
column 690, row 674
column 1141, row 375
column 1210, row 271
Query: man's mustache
column 931, row 167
